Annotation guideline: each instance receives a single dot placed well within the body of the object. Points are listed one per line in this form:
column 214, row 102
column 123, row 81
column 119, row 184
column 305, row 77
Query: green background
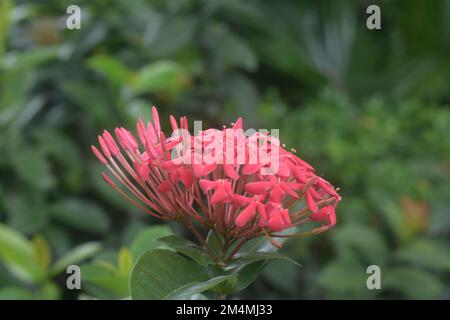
column 368, row 108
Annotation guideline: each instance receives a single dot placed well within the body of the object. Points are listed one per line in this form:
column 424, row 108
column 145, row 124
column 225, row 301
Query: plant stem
column 236, row 249
column 199, row 237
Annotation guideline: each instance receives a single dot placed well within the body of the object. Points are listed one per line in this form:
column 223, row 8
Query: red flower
column 219, row 178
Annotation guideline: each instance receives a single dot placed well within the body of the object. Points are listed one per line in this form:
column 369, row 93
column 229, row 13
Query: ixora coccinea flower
column 241, row 185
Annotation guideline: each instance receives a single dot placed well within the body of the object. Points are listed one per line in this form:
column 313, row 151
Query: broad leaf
column 16, row 252
column 191, row 289
column 82, row 214
column 413, row 283
column 427, row 253
column 76, row 256
column 247, row 258
column 188, row 248
column 113, row 69
column 147, row 239
column 42, row 251
column 159, row 272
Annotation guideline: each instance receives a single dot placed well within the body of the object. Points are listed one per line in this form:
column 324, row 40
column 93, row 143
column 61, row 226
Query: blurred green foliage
column 370, row 110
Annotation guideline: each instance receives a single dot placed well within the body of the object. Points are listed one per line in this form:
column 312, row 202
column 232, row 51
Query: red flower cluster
column 241, row 185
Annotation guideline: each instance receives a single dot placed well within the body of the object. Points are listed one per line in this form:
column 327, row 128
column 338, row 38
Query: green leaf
column 249, row 273
column 367, row 241
column 33, row 168
column 82, row 214
column 159, row 272
column 82, row 95
column 42, row 251
column 191, row 289
column 426, row 253
column 147, row 239
column 247, row 258
column 113, row 69
column 234, row 52
column 345, row 277
column 75, row 256
column 50, row 291
column 413, row 283
column 159, row 76
column 15, row 293
column 213, row 242
column 103, row 280
column 188, row 248
column 29, row 59
column 179, row 29
column 125, row 260
column 16, row 252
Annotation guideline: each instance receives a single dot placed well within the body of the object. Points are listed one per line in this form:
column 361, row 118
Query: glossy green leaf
column 427, row 253
column 125, row 260
column 157, row 273
column 113, row 69
column 42, row 252
column 104, row 280
column 147, row 239
column 15, row 293
column 248, row 274
column 413, row 283
column 82, row 214
column 189, row 290
column 188, row 248
column 159, row 76
column 367, row 241
column 16, row 253
column 246, row 258
column 34, row 168
column 75, row 256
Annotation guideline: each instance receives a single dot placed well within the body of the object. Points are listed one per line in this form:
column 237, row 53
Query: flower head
column 242, row 185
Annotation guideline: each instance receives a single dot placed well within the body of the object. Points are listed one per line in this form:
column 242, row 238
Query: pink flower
column 219, row 178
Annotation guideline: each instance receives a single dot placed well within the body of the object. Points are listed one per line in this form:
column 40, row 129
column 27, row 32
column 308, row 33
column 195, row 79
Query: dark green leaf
column 147, row 239
column 82, row 214
column 191, row 289
column 188, row 248
column 247, row 258
column 75, row 256
column 157, row 273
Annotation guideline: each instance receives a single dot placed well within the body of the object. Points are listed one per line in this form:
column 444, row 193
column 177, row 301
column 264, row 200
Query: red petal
column 238, row 124
column 263, row 217
column 246, row 214
column 325, row 186
column 276, row 222
column 156, row 119
column 164, row 186
column 331, row 221
column 300, row 174
column 99, row 155
column 230, row 172
column 310, row 201
column 198, row 170
column 220, row 195
column 185, row 177
column 207, row 185
column 260, row 187
column 169, row 165
column 240, row 201
column 209, row 168
column 283, row 170
column 277, row 194
column 249, row 169
column 322, row 214
column 289, row 191
column 286, row 217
